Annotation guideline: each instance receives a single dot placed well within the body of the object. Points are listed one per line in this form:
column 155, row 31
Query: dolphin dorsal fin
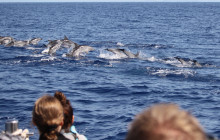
column 65, row 38
column 137, row 54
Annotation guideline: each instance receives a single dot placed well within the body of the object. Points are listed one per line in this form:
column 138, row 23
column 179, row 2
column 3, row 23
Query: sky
column 109, row 0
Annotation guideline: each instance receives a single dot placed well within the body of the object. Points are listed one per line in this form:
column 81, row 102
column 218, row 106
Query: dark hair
column 67, row 109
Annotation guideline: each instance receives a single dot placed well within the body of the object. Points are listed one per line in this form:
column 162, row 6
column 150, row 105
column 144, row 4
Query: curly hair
column 67, row 109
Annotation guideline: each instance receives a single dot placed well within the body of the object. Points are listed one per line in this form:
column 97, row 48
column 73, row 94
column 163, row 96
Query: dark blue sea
column 105, row 90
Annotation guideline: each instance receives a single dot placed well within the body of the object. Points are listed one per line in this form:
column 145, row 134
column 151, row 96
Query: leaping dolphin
column 6, row 40
column 53, row 46
column 68, row 43
column 34, row 41
column 75, row 49
column 18, row 43
column 123, row 52
column 78, row 50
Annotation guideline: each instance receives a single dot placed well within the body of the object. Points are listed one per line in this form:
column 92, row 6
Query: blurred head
column 48, row 117
column 68, row 110
column 165, row 122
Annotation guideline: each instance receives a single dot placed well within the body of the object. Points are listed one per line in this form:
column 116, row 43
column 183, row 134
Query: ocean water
column 107, row 90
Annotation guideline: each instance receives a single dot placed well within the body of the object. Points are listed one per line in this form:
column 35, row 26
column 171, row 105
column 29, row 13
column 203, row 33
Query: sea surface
column 107, row 90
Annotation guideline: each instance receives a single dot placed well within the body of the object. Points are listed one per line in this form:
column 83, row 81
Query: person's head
column 48, row 116
column 165, row 122
column 67, row 109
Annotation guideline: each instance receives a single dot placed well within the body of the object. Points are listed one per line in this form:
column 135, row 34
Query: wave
column 108, row 55
column 49, row 58
column 165, row 72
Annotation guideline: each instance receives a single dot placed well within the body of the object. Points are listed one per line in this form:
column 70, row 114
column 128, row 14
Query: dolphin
column 123, row 52
column 188, row 62
column 21, row 43
column 34, row 41
column 75, row 49
column 53, row 46
column 196, row 63
column 116, row 51
column 129, row 54
column 10, row 44
column 6, row 40
column 78, row 50
column 181, row 60
column 68, row 43
column 18, row 43
column 65, row 37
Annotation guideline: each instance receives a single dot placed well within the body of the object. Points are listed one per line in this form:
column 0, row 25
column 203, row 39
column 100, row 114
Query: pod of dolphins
column 76, row 50
column 10, row 41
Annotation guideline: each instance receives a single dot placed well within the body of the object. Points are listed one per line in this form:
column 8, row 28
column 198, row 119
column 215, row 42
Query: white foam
column 173, row 62
column 64, row 55
column 33, row 48
column 157, row 46
column 152, row 59
column 31, row 61
column 108, row 55
column 37, row 55
column 45, row 51
column 111, row 56
column 50, row 58
column 120, row 44
column 165, row 72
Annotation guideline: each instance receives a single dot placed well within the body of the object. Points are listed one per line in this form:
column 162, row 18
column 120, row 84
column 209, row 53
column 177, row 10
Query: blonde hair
column 165, row 122
column 47, row 116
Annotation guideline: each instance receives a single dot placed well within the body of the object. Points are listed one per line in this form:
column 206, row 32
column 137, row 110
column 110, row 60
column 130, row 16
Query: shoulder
column 71, row 136
column 81, row 137
column 63, row 137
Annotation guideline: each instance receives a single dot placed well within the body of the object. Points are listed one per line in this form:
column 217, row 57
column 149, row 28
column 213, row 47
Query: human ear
column 73, row 119
column 61, row 124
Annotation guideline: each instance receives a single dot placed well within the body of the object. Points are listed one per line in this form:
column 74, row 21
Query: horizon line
column 110, row 1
